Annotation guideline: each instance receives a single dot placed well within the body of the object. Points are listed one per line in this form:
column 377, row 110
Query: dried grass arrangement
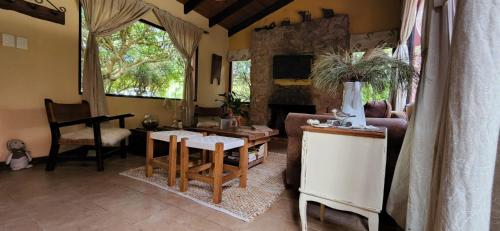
column 375, row 68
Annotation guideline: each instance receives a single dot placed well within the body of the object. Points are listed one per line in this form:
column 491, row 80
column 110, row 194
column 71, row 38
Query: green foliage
column 376, row 69
column 234, row 103
column 139, row 60
column 241, row 79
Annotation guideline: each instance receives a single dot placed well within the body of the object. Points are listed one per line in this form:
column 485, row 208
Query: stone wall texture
column 307, row 38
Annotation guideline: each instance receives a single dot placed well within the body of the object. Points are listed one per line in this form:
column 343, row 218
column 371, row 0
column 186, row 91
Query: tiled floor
column 76, row 197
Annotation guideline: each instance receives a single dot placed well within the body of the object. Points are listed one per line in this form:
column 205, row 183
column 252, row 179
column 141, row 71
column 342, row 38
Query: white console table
column 343, row 169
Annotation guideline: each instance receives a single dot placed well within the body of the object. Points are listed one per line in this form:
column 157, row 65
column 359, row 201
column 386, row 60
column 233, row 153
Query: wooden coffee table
column 254, row 138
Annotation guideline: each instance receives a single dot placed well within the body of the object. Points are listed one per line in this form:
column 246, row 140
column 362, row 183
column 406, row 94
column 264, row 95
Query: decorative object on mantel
column 18, row 158
column 56, row 14
column 375, row 68
column 327, row 13
column 150, row 122
column 306, row 15
column 216, row 68
column 268, row 27
column 285, row 22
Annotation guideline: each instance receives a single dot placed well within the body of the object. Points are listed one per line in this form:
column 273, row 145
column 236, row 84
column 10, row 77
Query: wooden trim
column 228, row 11
column 191, row 5
column 380, row 133
column 256, row 17
column 230, row 84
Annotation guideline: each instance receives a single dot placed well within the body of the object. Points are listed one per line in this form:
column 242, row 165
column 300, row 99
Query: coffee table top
column 180, row 134
column 240, row 133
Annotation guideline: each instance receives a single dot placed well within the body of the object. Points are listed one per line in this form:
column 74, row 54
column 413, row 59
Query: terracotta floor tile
column 76, row 197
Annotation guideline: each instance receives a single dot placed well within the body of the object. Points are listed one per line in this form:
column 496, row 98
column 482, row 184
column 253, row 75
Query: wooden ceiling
column 234, row 15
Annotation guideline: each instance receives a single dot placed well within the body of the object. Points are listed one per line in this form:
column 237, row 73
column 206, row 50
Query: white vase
column 352, row 103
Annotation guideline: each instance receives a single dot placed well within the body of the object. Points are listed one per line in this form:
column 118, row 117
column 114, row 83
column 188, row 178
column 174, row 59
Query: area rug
column 265, row 184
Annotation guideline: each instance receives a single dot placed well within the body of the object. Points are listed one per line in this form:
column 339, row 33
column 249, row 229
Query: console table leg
column 303, row 212
column 373, row 222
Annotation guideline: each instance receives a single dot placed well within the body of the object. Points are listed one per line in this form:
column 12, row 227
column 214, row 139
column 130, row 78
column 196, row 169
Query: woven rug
column 265, row 184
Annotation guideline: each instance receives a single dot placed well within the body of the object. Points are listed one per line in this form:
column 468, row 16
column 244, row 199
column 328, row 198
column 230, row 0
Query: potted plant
column 377, row 69
column 234, row 107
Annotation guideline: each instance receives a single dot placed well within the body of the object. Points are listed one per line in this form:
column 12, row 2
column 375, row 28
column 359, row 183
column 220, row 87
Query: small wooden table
column 254, row 138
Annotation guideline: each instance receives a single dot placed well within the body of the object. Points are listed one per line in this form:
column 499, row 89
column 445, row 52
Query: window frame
column 230, row 85
column 79, row 76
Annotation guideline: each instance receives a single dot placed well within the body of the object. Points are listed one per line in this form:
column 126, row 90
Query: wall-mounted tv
column 292, row 66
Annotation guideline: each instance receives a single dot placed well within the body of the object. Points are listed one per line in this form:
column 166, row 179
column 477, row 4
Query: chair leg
column 123, row 149
column 51, row 163
column 218, row 171
column 99, row 158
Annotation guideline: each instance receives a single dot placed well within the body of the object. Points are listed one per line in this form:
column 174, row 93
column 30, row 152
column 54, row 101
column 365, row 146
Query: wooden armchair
column 92, row 136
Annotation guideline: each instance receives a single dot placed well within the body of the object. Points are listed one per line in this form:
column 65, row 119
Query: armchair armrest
column 398, row 114
column 93, row 120
column 122, row 116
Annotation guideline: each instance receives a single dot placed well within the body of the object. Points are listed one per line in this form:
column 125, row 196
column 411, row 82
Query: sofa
column 378, row 113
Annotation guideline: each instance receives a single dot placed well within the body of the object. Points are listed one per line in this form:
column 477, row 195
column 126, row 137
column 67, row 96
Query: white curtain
column 104, row 18
column 186, row 38
column 398, row 95
column 444, row 175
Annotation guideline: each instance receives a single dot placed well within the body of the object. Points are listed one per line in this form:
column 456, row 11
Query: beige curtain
column 398, row 95
column 104, row 18
column 444, row 175
column 186, row 38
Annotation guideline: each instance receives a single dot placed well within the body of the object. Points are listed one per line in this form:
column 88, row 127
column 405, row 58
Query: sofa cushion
column 378, row 109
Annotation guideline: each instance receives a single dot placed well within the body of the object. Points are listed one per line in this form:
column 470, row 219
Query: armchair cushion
column 85, row 136
column 378, row 109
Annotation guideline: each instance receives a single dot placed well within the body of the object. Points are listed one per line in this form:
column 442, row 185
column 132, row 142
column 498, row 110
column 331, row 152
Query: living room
column 202, row 83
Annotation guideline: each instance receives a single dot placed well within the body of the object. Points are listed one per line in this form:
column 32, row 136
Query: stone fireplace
column 271, row 100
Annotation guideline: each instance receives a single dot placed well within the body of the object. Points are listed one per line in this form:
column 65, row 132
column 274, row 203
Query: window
column 240, row 80
column 367, row 91
column 138, row 61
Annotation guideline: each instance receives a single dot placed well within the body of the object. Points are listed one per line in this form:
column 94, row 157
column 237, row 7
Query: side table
column 343, row 169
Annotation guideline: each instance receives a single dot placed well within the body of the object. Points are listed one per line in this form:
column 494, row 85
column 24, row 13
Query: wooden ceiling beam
column 228, row 11
column 259, row 15
column 191, row 5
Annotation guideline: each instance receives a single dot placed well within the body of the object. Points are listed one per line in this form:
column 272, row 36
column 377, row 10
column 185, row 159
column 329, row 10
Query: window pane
column 241, row 80
column 367, row 92
column 139, row 60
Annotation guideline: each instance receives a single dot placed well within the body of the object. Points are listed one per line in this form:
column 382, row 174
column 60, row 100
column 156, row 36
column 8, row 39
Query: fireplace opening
column 280, row 111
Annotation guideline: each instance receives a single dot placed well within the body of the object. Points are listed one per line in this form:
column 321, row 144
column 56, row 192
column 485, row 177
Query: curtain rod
column 158, row 8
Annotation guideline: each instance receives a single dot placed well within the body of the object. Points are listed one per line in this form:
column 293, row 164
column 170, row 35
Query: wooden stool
column 216, row 144
column 172, row 137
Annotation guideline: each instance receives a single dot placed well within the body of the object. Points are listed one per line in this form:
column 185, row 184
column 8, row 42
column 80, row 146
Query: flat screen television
column 292, row 66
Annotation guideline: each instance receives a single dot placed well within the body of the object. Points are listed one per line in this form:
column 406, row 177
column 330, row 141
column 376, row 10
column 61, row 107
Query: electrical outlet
column 22, row 43
column 8, row 40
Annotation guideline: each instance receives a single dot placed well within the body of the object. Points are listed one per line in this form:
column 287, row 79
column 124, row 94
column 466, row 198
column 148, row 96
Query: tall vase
column 352, row 104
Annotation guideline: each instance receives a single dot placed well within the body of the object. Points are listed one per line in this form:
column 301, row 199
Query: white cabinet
column 344, row 170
